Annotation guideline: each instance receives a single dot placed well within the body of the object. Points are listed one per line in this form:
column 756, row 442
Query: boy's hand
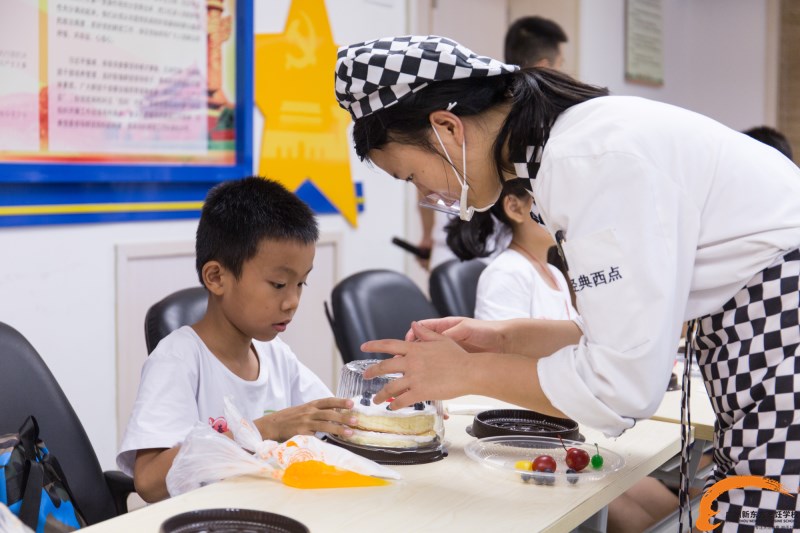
column 307, row 419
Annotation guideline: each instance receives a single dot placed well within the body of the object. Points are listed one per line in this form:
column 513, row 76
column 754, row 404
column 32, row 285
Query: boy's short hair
column 238, row 214
column 531, row 39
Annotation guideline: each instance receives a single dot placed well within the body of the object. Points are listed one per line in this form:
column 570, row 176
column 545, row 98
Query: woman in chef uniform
column 662, row 216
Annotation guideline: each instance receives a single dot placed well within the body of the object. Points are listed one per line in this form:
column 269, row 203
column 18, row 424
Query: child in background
column 518, row 283
column 255, row 248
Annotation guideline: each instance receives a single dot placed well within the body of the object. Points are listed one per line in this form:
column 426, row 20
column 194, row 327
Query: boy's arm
column 150, row 472
column 163, row 415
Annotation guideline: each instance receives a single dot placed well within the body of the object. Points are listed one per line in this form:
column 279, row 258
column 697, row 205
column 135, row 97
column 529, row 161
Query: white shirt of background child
column 510, row 287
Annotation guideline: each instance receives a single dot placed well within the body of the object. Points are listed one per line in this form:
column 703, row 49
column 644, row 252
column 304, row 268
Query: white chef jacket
column 665, row 214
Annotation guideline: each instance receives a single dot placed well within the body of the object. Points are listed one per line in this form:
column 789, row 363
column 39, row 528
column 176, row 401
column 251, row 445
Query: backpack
column 32, row 484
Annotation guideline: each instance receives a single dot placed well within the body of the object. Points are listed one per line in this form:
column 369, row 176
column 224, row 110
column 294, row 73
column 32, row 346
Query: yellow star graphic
column 305, row 132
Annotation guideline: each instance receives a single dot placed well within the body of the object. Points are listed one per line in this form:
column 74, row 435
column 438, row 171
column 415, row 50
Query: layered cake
column 378, row 425
column 412, row 428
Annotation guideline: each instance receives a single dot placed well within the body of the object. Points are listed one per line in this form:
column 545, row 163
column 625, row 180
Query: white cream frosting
column 380, row 409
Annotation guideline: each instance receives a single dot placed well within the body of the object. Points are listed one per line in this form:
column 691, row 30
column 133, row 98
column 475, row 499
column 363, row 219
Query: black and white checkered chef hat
column 378, row 73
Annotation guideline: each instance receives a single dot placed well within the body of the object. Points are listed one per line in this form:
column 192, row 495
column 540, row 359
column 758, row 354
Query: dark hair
column 771, row 137
column 238, row 214
column 467, row 239
column 531, row 39
column 537, row 97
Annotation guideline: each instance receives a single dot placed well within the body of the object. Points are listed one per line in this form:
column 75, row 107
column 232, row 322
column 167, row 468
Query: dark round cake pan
column 393, row 456
column 501, row 422
column 230, row 521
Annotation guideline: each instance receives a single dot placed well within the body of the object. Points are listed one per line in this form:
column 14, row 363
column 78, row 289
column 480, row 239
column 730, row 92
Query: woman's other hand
column 472, row 335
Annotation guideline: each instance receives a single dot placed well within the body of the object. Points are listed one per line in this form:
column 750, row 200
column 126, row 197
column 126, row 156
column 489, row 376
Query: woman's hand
column 434, row 367
column 472, row 335
column 523, row 336
column 307, row 419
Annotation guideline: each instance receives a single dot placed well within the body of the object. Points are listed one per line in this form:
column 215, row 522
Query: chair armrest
column 121, row 486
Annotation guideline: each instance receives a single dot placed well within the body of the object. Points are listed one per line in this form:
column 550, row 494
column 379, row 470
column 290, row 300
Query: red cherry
column 577, row 459
column 544, row 463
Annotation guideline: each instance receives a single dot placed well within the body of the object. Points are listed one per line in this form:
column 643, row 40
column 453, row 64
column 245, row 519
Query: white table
column 454, row 494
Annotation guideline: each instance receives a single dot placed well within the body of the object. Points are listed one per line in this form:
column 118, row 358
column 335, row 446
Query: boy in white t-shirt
column 255, row 248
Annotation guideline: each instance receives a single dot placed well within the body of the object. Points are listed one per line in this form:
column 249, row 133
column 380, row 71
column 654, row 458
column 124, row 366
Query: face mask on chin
column 445, row 203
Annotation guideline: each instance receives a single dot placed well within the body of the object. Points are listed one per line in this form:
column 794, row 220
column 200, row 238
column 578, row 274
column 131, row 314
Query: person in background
column 535, row 42
column 771, row 137
column 529, row 42
column 255, row 248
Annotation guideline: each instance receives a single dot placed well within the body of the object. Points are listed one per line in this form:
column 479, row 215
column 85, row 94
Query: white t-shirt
column 664, row 215
column 183, row 383
column 510, row 287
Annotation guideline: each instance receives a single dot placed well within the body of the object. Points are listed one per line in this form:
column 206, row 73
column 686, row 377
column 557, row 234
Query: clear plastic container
column 413, row 434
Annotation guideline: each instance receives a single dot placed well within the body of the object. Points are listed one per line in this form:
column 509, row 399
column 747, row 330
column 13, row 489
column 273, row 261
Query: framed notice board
column 118, row 110
column 644, row 49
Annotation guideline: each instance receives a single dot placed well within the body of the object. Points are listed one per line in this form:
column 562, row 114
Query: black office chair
column 181, row 308
column 28, row 388
column 453, row 286
column 374, row 304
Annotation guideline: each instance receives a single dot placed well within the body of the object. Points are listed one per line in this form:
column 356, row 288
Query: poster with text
column 118, row 81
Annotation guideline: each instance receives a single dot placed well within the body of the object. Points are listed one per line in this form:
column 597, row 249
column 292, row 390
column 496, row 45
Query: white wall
column 715, row 56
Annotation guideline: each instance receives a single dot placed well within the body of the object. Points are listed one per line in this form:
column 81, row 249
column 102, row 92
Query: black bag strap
column 32, row 495
column 33, row 474
column 28, row 435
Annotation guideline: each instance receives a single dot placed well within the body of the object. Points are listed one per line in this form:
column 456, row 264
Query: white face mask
column 449, row 205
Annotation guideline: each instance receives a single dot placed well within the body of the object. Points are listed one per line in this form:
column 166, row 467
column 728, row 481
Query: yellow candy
column 523, row 465
column 318, row 475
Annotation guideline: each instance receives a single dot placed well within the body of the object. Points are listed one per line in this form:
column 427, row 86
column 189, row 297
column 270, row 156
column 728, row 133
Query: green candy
column 597, row 459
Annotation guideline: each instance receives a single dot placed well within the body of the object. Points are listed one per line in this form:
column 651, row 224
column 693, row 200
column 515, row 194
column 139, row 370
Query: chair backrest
column 181, row 308
column 453, row 286
column 27, row 387
column 374, row 304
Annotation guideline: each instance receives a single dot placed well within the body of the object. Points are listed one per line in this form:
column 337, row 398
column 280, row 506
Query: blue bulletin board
column 126, row 111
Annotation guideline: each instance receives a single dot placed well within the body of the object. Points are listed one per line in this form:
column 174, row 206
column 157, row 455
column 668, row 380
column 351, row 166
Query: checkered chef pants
column 749, row 354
